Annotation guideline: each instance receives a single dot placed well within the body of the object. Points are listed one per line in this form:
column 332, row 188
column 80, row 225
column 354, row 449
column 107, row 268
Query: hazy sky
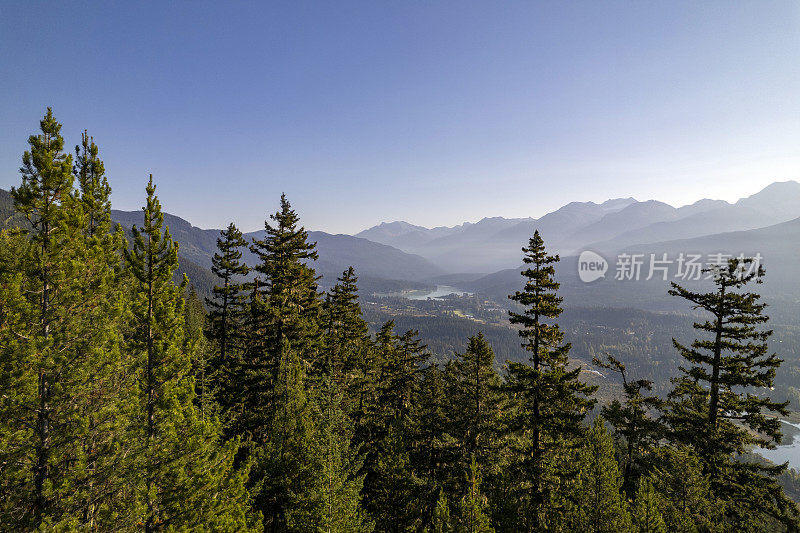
column 430, row 112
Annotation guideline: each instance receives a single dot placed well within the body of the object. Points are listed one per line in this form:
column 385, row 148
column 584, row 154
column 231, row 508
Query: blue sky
column 431, row 112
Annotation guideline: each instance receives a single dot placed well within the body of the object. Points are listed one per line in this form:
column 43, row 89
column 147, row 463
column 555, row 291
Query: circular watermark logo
column 591, row 266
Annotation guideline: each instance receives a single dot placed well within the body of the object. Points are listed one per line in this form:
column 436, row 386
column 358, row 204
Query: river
column 786, row 452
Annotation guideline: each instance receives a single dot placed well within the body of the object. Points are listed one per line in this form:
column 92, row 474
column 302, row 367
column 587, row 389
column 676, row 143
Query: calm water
column 788, row 452
column 439, row 292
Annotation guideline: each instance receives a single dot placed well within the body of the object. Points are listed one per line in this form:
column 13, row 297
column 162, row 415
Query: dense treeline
column 128, row 403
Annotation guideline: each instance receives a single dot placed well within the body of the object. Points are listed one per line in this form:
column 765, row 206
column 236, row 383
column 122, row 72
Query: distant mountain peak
column 774, row 191
column 705, row 203
column 618, row 203
column 780, row 197
column 399, row 225
column 492, row 219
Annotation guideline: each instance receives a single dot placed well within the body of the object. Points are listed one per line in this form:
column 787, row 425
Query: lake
column 439, row 292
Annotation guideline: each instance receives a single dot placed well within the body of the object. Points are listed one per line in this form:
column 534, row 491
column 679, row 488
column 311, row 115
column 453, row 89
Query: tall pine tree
column 552, row 401
column 472, row 513
column 185, row 477
column 225, row 308
column 684, row 492
column 288, row 465
column 345, row 333
column 338, row 483
column 715, row 407
column 394, row 496
column 59, row 352
column 227, row 313
column 284, row 309
column 477, row 404
column 646, row 511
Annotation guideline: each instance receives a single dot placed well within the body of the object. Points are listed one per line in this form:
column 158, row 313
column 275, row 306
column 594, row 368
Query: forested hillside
column 340, row 251
column 129, row 403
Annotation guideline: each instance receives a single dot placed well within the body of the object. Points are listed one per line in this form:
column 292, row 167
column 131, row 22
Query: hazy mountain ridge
column 336, row 252
column 773, row 243
column 494, row 243
column 776, row 203
column 405, row 236
column 377, row 264
column 609, row 226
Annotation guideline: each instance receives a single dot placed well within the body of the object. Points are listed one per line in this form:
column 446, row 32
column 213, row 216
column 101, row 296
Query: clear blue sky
column 431, row 112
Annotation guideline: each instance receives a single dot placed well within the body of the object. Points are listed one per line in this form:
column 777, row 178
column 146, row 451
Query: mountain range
column 336, row 252
column 485, row 256
column 493, row 244
column 379, row 266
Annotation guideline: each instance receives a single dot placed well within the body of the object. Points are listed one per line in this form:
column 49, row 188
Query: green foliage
column 287, row 304
column 472, row 512
column 183, row 478
column 600, row 505
column 633, row 423
column 124, row 406
column 684, row 490
column 646, row 511
column 226, row 317
column 339, row 483
column 200, row 347
column 287, row 465
column 345, row 332
column 60, row 425
column 717, row 406
column 551, row 401
column 440, row 523
column 394, row 494
column 478, row 402
column 284, row 308
column 94, row 189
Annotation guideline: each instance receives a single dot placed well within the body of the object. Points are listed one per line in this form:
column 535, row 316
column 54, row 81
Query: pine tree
column 346, row 337
column 473, row 518
column 288, row 285
column 45, row 194
column 431, row 447
column 185, row 476
column 646, row 511
column 225, row 307
column 687, row 502
column 599, row 506
column 195, row 343
column 339, row 483
column 289, row 465
column 714, row 407
column 394, row 496
column 59, row 351
column 94, row 189
column 226, row 318
column 441, row 522
column 284, row 308
column 632, row 422
column 362, row 394
column 476, row 404
column 552, row 401
column 401, row 364
column 104, row 461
